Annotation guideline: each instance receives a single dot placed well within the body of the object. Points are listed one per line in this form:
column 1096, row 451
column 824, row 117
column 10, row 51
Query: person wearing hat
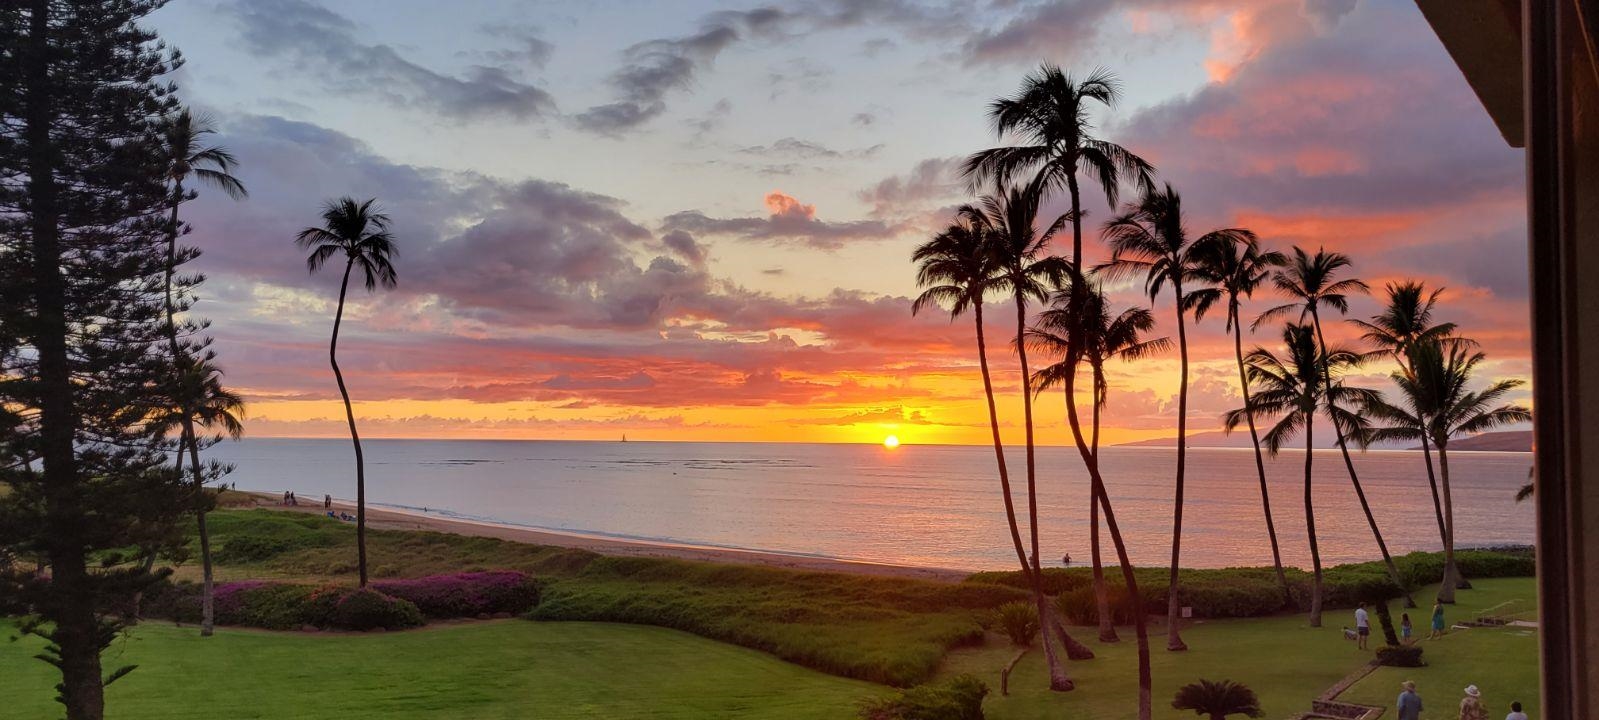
column 1409, row 703
column 1471, row 705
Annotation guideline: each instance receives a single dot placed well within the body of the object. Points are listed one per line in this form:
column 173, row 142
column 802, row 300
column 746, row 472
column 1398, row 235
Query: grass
column 484, row 671
column 1283, row 660
column 1502, row 662
column 881, row 629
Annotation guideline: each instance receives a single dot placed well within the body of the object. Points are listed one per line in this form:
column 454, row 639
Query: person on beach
column 285, row 498
column 1405, row 631
column 1409, row 703
column 1362, row 625
column 327, row 502
column 1471, row 705
column 1515, row 712
column 1437, row 620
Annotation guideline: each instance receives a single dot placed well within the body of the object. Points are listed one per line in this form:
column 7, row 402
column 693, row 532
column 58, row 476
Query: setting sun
column 891, row 442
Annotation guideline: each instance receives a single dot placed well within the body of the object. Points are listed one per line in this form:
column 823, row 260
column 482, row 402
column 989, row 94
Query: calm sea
column 918, row 505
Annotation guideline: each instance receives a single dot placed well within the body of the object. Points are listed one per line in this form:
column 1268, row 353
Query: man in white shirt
column 1515, row 712
column 1362, row 625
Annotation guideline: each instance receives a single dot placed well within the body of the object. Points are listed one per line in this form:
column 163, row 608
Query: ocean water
column 936, row 506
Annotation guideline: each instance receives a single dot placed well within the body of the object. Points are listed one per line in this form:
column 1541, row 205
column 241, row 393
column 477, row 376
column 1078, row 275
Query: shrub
column 958, row 698
column 1400, row 656
column 466, row 594
column 251, row 548
column 368, row 609
column 1081, row 607
column 1019, row 620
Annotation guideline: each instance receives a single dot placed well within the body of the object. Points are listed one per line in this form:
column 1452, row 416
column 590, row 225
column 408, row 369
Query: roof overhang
column 1484, row 39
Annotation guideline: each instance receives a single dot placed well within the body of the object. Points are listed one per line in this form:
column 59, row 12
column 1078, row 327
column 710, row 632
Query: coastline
column 395, row 519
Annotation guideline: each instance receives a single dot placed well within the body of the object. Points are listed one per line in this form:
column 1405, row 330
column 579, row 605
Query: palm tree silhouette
column 1049, row 113
column 186, row 156
column 955, row 267
column 1217, row 700
column 1441, row 407
column 1149, row 238
column 361, row 232
column 1236, row 267
column 1079, row 328
column 1292, row 389
column 1405, row 321
column 1310, row 280
column 1025, row 272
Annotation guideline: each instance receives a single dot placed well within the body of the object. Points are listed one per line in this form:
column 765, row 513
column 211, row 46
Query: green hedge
column 958, row 698
column 1253, row 591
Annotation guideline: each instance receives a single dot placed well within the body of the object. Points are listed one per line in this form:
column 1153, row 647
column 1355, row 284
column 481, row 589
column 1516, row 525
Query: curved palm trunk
column 1260, row 461
column 1107, row 618
column 349, row 414
column 1046, row 615
column 1446, row 592
column 1310, row 522
column 1129, row 578
column 188, row 438
column 1010, row 506
column 1452, row 577
column 1174, row 640
column 1349, row 464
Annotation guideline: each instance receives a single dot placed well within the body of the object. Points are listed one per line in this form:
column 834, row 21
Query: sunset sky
column 693, row 220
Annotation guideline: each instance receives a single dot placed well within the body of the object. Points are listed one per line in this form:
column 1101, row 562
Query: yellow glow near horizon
column 891, row 442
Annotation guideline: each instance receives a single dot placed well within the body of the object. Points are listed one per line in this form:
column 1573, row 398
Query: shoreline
column 395, row 519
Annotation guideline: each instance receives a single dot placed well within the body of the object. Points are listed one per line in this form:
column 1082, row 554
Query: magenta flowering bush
column 470, row 594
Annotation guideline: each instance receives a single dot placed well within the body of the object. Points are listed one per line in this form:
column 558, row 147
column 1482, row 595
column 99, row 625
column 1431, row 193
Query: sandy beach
column 391, row 519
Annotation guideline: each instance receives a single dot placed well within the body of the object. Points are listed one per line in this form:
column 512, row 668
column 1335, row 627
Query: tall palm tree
column 1025, row 272
column 1235, row 267
column 1440, row 406
column 187, row 155
column 1311, row 282
column 1404, row 322
column 1291, row 390
column 1079, row 310
column 1049, row 114
column 1217, row 700
column 955, row 268
column 1081, row 328
column 361, row 233
column 1149, row 238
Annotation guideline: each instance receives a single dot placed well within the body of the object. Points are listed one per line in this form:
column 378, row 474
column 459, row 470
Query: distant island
column 1504, row 441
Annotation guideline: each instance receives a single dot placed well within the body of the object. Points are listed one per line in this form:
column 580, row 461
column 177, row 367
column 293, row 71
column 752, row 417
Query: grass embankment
column 1502, row 662
column 1283, row 660
column 882, row 629
column 485, row 671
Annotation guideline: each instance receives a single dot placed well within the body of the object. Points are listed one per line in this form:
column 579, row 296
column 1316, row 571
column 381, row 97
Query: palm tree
column 187, row 156
column 1405, row 321
column 955, row 267
column 1025, row 271
column 1101, row 338
column 1310, row 281
column 1050, row 114
column 1217, row 700
column 1080, row 327
column 361, row 232
column 1236, row 267
column 1441, row 407
column 1291, row 390
column 1149, row 238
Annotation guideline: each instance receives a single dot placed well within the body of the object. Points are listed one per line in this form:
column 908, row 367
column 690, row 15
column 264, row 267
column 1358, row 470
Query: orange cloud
column 785, row 206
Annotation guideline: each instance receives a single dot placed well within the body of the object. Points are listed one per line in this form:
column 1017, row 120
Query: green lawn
column 1502, row 662
column 1286, row 662
column 500, row 669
